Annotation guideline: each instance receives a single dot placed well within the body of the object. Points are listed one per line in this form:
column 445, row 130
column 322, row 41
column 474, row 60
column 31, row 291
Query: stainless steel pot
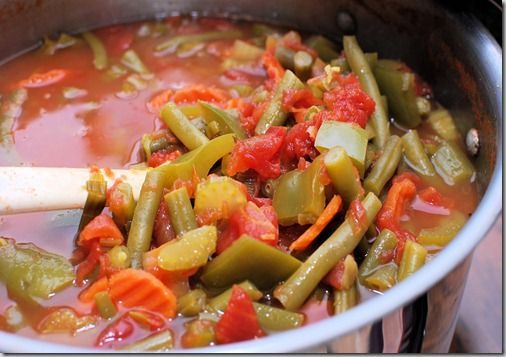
column 448, row 47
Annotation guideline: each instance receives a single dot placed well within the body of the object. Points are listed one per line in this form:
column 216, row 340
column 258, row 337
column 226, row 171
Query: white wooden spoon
column 29, row 189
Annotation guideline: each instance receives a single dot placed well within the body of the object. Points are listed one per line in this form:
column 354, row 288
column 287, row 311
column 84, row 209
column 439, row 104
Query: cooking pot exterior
column 450, row 49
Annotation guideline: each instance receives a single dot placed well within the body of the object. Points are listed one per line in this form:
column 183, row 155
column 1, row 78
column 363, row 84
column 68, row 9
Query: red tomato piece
column 335, row 276
column 274, row 69
column 162, row 156
column 356, row 213
column 162, row 229
column 117, row 331
column 297, row 100
column 89, row 264
column 38, row 80
column 260, row 223
column 116, row 39
column 299, row 142
column 239, row 321
column 103, row 228
column 259, row 153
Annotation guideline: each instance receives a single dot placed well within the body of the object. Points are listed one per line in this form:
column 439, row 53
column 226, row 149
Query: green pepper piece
column 399, row 87
column 161, row 341
column 444, row 232
column 220, row 302
column 274, row 319
column 413, row 258
column 39, row 273
column 350, row 137
column 386, row 241
column 274, row 113
column 249, row 259
column 226, row 122
column 300, row 196
column 192, row 250
column 452, row 165
column 345, row 177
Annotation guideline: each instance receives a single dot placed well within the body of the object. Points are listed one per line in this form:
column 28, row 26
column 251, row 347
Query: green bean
column 131, row 60
column 361, row 68
column 452, row 164
column 173, row 43
column 104, row 304
column 345, row 177
column 220, row 302
column 285, row 56
column 192, row 303
column 443, row 124
column 141, row 229
column 385, row 242
column 371, row 155
column 383, row 278
column 274, row 319
column 99, row 52
column 227, row 123
column 249, row 259
column 302, row 62
column 181, row 126
column 95, row 201
column 399, row 87
column 181, row 212
column 444, row 232
column 274, row 114
column 415, row 155
column 326, row 49
column 122, row 204
column 384, row 168
column 119, row 257
column 161, row 341
column 413, row 258
column 302, row 282
column 345, row 299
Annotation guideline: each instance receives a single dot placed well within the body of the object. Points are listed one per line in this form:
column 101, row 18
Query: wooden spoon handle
column 28, row 189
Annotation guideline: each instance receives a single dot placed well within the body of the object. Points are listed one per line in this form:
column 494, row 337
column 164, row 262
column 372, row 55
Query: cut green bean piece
column 304, row 280
column 141, row 229
column 181, row 212
column 100, row 58
column 361, row 68
column 192, row 303
column 385, row 242
column 162, row 341
column 399, row 88
column 415, row 155
column 413, row 258
column 119, row 257
column 383, row 278
column 326, row 49
column 444, row 232
column 443, row 124
column 350, row 137
column 345, row 299
column 274, row 319
column 285, row 56
column 249, row 259
column 181, row 126
column 452, row 164
column 385, row 166
column 345, row 177
column 131, row 60
column 122, row 204
column 302, row 62
column 104, row 304
column 274, row 114
column 95, row 201
column 192, row 250
column 227, row 123
column 176, row 41
column 220, row 302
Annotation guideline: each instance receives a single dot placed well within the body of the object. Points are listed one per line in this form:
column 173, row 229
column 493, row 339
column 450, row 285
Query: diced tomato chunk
column 239, row 321
column 116, row 39
column 274, row 69
column 299, row 142
column 260, row 153
column 119, row 330
column 162, row 156
column 103, row 228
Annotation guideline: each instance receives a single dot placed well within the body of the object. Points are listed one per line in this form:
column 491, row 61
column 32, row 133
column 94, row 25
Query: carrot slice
column 37, row 80
column 312, row 232
column 138, row 288
column 88, row 295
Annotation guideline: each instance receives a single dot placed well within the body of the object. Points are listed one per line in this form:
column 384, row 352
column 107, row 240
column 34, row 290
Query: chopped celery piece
column 192, row 250
column 41, row 274
column 444, row 232
column 274, row 319
column 249, row 259
column 452, row 164
column 131, row 60
column 350, row 137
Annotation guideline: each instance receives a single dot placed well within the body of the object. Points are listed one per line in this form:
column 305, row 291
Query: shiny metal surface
column 450, row 49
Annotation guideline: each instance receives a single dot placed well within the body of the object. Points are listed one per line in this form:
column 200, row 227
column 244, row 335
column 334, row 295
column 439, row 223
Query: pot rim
column 367, row 312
